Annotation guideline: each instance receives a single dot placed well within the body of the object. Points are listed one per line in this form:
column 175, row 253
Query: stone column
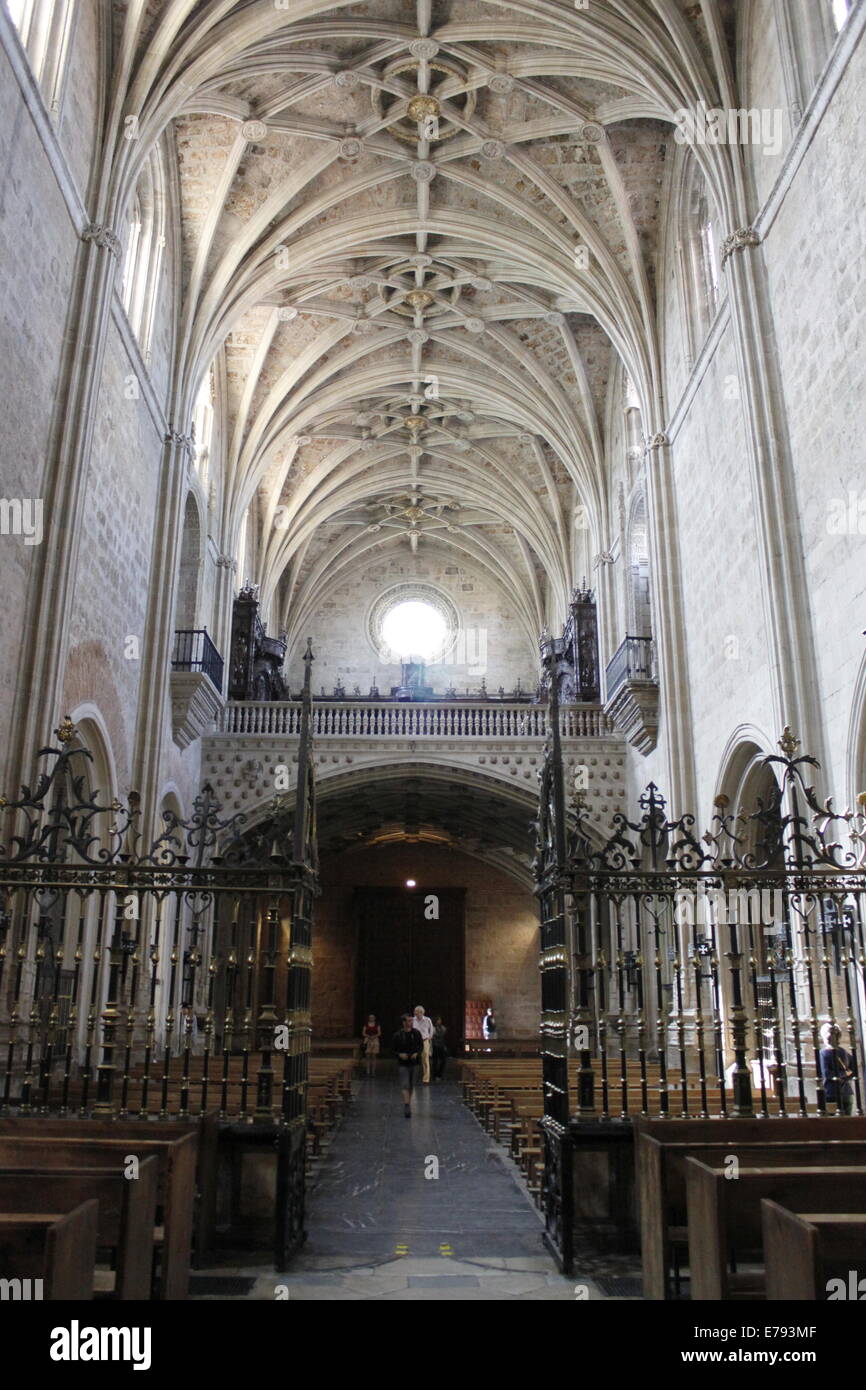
column 668, row 629
column 784, row 596
column 159, row 626
column 44, row 659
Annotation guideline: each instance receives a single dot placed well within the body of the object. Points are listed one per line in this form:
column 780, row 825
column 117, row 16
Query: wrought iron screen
column 695, row 975
column 110, row 952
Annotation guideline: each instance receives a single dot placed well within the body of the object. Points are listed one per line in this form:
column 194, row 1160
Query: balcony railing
column 635, row 660
column 368, row 719
column 194, row 651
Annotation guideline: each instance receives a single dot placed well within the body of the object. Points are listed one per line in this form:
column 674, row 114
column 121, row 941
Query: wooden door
column 408, row 957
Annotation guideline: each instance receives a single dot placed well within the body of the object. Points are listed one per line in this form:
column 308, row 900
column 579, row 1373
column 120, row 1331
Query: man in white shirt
column 424, row 1025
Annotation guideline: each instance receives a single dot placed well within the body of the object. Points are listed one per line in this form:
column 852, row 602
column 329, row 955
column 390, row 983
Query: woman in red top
column 370, row 1038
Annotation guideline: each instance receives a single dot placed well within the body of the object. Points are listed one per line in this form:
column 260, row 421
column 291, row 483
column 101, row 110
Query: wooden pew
column 804, row 1250
column 176, row 1183
column 127, row 1212
column 724, row 1216
column 57, row 1247
column 204, row 1127
column 661, row 1147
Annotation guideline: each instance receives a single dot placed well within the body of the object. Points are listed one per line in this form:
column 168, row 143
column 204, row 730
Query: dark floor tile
column 372, row 1193
column 447, row 1281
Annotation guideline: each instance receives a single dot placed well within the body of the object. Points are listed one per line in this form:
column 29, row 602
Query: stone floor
column 415, row 1209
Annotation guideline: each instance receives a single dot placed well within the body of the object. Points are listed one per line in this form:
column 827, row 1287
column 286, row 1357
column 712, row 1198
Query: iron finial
column 788, row 743
column 66, row 730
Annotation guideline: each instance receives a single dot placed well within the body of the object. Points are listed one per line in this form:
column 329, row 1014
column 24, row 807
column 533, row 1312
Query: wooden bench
column 724, row 1216
column 204, row 1127
column 127, row 1214
column 176, row 1183
column 803, row 1251
column 663, row 1145
column 57, row 1247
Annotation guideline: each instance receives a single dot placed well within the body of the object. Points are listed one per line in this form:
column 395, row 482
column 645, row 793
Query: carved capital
column 104, row 237
column 603, row 557
column 738, row 241
column 186, row 442
column 655, row 441
column 225, row 562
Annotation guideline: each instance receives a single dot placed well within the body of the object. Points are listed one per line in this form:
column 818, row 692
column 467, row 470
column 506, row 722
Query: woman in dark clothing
column 440, row 1052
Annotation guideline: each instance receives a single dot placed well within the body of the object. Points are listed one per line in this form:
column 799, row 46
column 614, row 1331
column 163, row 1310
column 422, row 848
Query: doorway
column 407, row 956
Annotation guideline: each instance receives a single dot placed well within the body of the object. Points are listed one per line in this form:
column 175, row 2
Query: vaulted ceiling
column 416, row 239
column 423, row 804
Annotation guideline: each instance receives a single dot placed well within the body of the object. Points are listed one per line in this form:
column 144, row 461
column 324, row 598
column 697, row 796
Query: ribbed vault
column 416, row 238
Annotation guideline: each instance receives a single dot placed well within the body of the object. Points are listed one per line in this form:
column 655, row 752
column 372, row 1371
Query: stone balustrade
column 434, row 720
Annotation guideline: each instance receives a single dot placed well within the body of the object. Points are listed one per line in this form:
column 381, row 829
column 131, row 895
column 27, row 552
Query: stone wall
column 492, row 634
column 39, row 246
column 817, row 283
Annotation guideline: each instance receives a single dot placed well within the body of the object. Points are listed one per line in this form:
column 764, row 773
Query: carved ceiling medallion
column 424, row 106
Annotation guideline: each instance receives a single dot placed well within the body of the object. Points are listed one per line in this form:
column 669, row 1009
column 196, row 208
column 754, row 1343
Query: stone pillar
column 668, row 628
column 159, row 626
column 44, row 659
column 793, row 670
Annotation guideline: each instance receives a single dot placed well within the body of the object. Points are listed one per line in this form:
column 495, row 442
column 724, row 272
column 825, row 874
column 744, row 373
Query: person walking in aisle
column 424, row 1026
column 409, row 1046
column 371, row 1039
column 440, row 1051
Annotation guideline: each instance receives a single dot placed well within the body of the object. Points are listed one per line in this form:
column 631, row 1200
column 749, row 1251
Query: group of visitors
column 419, row 1041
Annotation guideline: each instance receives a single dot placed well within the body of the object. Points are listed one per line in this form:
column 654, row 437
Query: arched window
column 698, row 250
column 190, row 567
column 202, row 419
column 633, row 430
column 241, row 552
column 704, row 260
column 709, row 246
column 145, row 241
column 840, row 10
column 44, row 27
column 639, row 608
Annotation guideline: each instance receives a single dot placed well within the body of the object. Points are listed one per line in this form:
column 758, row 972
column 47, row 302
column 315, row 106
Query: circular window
column 412, row 622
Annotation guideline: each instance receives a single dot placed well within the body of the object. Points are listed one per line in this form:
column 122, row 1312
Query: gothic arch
column 639, row 620
column 191, row 564
column 739, row 769
column 100, row 782
column 147, row 228
column 696, row 246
